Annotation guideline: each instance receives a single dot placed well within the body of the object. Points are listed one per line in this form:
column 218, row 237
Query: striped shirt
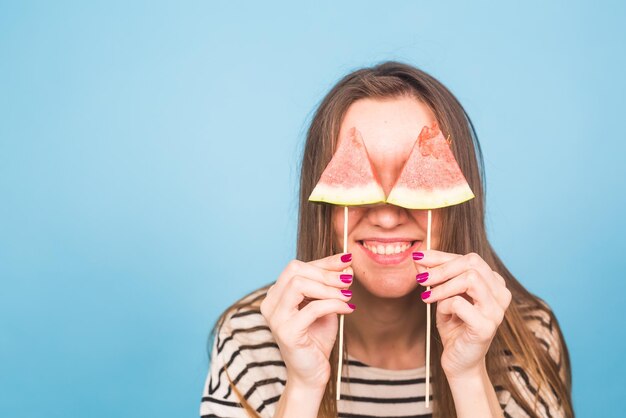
column 245, row 353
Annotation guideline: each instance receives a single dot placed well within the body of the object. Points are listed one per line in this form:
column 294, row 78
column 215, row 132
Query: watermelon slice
column 431, row 177
column 349, row 179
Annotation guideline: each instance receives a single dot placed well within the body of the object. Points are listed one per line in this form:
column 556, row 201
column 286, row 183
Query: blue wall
column 148, row 168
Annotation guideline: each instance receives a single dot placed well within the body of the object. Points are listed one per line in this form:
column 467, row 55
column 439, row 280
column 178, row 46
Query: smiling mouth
column 387, row 248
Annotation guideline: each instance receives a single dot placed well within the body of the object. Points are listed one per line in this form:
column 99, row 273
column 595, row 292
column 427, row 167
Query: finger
column 432, row 258
column 317, row 309
column 500, row 278
column 504, row 295
column 480, row 327
column 474, row 286
column 340, row 279
column 454, row 267
column 457, row 266
column 300, row 288
column 337, row 262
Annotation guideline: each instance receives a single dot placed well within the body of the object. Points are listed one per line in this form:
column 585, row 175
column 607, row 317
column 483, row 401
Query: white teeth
column 387, row 249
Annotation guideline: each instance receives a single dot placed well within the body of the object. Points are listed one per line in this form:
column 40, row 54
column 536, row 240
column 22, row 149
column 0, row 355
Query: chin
column 388, row 285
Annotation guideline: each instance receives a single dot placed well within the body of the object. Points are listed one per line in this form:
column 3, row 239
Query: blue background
column 148, row 169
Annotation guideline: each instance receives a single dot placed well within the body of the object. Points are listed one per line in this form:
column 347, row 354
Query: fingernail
column 422, row 277
column 346, row 292
column 418, row 255
column 426, row 294
column 346, row 278
column 346, row 257
column 353, row 307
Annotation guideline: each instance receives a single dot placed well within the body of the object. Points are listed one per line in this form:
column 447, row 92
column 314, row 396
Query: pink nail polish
column 353, row 307
column 346, row 278
column 346, row 257
column 426, row 294
column 418, row 255
column 346, row 293
column 422, row 277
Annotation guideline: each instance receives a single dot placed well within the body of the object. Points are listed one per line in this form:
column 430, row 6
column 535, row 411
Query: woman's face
column 389, row 128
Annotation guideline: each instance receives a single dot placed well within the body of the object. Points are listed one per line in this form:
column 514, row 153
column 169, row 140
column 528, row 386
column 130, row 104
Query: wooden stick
column 427, row 398
column 345, row 250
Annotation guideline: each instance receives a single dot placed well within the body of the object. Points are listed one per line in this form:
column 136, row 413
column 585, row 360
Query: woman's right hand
column 301, row 309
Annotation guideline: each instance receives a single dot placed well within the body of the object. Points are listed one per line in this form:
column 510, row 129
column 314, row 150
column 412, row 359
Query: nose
column 387, row 216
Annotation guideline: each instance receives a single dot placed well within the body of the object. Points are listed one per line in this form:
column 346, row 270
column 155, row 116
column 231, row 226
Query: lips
column 388, row 250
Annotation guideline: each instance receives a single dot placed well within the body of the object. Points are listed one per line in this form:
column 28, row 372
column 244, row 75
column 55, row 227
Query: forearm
column 299, row 402
column 474, row 396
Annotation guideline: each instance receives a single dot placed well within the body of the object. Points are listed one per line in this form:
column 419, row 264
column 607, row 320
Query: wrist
column 477, row 372
column 304, row 391
column 301, row 391
column 308, row 386
column 299, row 400
column 474, row 394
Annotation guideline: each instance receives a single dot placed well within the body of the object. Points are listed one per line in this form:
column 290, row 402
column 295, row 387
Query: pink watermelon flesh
column 431, row 177
column 349, row 179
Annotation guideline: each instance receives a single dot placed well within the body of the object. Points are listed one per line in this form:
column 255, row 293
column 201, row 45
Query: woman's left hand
column 471, row 301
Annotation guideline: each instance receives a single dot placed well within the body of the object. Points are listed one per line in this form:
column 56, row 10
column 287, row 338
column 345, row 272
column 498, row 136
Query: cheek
column 421, row 218
column 338, row 225
column 337, row 222
column 354, row 216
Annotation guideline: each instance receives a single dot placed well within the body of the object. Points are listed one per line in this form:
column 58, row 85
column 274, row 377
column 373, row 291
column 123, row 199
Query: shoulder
column 540, row 319
column 242, row 331
column 538, row 374
column 244, row 316
column 245, row 358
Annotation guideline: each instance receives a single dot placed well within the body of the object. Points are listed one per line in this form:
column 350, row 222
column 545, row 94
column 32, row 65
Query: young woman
column 497, row 349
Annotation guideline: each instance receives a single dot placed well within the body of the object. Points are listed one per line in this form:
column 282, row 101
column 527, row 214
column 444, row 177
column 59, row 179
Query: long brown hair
column 462, row 230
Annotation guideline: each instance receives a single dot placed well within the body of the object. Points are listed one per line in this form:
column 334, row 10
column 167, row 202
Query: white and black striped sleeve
column 246, row 354
column 547, row 404
column 218, row 398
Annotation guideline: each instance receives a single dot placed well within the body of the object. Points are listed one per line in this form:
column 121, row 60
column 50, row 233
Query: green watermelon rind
column 429, row 199
column 348, row 196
